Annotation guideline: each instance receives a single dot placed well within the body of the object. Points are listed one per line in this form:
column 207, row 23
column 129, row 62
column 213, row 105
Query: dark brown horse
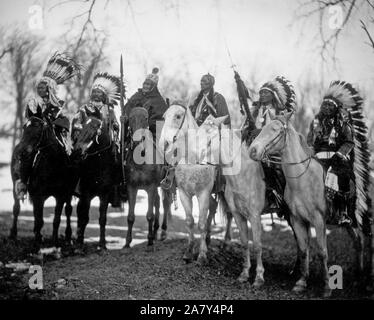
column 98, row 173
column 41, row 156
column 142, row 172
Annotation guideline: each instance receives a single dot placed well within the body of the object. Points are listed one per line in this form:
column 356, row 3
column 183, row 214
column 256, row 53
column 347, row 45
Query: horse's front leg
column 38, row 206
column 302, row 236
column 83, row 209
column 242, row 224
column 187, row 205
column 103, row 208
column 166, row 204
column 203, row 200
column 150, row 215
column 156, row 206
column 212, row 212
column 16, row 210
column 359, row 256
column 68, row 212
column 255, row 220
column 57, row 219
column 132, row 192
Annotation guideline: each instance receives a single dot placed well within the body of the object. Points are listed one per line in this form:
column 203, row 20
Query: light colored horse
column 192, row 178
column 244, row 191
column 304, row 193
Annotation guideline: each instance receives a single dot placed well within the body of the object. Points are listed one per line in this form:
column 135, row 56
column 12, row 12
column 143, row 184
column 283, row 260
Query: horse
column 98, row 173
column 192, row 179
column 146, row 176
column 304, row 194
column 42, row 155
column 244, row 192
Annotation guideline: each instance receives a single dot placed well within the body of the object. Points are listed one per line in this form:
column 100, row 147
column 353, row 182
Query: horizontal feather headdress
column 283, row 92
column 348, row 98
column 61, row 67
column 109, row 84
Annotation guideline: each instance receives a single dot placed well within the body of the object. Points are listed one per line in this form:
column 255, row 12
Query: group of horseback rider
column 333, row 133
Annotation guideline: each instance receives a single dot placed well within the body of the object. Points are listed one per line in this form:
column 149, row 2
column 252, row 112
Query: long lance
column 243, row 93
column 122, row 105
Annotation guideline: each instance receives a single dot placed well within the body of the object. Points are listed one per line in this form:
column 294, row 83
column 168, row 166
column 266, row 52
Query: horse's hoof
column 127, row 245
column 243, row 277
column 202, row 260
column 150, row 243
column 163, row 235
column 101, row 247
column 327, row 293
column 299, row 287
column 188, row 257
column 259, row 282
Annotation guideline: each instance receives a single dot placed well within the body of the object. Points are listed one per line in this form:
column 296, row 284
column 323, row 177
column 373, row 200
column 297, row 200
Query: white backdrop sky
column 260, row 33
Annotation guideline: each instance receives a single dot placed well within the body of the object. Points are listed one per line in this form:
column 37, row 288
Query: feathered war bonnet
column 109, row 84
column 283, row 92
column 345, row 96
column 60, row 68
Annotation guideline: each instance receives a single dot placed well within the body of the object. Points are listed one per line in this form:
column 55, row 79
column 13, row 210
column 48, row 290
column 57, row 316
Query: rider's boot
column 344, row 219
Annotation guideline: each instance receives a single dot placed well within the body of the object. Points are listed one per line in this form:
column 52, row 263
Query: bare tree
column 20, row 66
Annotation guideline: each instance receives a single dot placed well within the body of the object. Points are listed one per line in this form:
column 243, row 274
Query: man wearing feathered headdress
column 209, row 102
column 105, row 93
column 46, row 105
column 276, row 96
column 338, row 137
column 149, row 98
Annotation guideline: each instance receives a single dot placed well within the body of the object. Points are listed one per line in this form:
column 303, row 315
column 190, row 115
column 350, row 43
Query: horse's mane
column 191, row 122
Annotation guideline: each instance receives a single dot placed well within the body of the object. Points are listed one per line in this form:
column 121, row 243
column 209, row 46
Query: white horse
column 244, row 192
column 192, row 177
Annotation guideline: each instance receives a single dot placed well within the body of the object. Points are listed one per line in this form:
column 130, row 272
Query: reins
column 273, row 142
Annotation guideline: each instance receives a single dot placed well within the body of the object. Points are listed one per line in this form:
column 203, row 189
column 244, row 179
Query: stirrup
column 345, row 220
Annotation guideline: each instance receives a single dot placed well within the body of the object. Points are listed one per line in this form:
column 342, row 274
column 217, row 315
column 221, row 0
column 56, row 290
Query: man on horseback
column 105, row 92
column 276, row 97
column 209, row 102
column 149, row 98
column 337, row 135
column 48, row 107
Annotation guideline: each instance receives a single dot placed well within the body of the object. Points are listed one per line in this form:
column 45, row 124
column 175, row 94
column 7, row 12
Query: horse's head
column 178, row 119
column 138, row 119
column 35, row 131
column 88, row 135
column 272, row 138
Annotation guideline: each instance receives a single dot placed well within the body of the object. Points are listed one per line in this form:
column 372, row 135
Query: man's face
column 42, row 90
column 97, row 95
column 328, row 108
column 205, row 84
column 266, row 96
column 147, row 86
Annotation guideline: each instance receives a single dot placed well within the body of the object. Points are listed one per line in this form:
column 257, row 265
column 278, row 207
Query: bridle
column 45, row 127
column 283, row 134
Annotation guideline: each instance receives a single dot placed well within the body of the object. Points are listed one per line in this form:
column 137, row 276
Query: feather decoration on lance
column 349, row 99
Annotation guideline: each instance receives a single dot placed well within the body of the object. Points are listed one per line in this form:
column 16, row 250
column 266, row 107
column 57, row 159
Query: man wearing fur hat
column 47, row 106
column 209, row 102
column 338, row 137
column 149, row 98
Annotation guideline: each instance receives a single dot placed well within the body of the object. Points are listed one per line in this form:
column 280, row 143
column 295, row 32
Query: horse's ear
column 218, row 121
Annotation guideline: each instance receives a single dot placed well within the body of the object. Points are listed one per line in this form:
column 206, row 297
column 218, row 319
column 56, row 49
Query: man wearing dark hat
column 149, row 98
column 209, row 102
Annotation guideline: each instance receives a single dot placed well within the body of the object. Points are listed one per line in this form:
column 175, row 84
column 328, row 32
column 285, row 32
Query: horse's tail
column 223, row 207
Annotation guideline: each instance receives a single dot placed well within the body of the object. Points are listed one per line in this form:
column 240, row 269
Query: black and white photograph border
column 191, row 150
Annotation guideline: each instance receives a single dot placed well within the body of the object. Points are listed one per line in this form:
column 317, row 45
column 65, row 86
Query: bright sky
column 152, row 32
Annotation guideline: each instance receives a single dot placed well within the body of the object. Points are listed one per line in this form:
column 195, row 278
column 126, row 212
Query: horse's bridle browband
column 273, row 142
